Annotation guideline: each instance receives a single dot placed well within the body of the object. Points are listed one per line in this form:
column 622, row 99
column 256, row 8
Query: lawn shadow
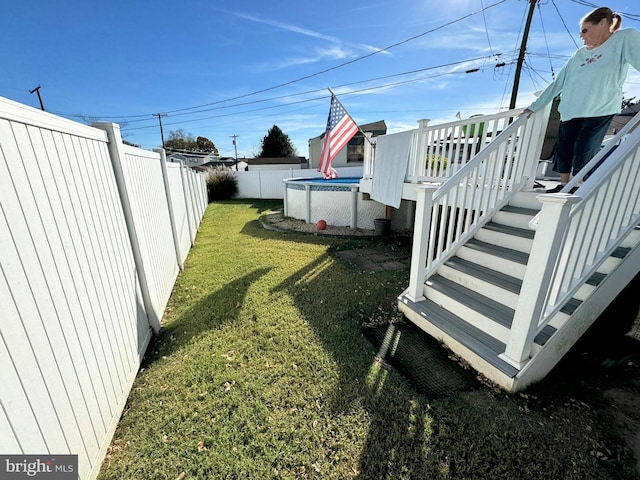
column 202, row 316
column 397, row 435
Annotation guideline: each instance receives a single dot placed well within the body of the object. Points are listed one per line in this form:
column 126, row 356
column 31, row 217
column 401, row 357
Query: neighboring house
column 276, row 163
column 229, row 162
column 191, row 159
column 351, row 156
column 258, row 163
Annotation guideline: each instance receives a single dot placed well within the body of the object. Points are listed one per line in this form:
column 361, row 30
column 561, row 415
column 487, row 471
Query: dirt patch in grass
column 275, row 220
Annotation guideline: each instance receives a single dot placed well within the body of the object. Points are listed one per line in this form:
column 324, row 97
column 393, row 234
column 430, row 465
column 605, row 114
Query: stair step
column 509, row 230
column 499, row 279
column 515, row 216
column 485, row 306
column 483, row 345
column 500, row 259
column 621, row 252
column 492, row 316
column 469, row 278
column 596, row 279
column 507, row 253
column 506, row 236
column 530, row 212
column 571, row 306
column 528, row 199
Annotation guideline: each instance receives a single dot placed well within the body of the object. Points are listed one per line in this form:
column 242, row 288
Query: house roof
column 376, row 128
column 275, row 160
column 623, row 118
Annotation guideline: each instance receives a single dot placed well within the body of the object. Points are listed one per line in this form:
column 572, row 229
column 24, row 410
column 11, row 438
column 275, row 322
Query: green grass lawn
column 263, row 372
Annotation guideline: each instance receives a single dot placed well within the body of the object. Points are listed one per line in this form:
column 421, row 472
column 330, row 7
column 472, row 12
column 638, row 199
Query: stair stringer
column 584, row 316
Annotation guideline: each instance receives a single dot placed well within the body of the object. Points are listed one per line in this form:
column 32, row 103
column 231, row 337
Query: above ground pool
column 338, row 201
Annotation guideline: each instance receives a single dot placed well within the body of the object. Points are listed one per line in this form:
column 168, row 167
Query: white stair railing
column 587, row 229
column 468, row 199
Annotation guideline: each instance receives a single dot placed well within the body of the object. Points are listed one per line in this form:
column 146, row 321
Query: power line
column 350, row 62
column 306, row 77
column 631, row 16
column 309, row 92
column 564, row 23
column 324, row 96
column 486, row 29
column 546, row 41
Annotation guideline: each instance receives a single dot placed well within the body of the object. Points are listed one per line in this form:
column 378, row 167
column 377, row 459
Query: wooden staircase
column 469, row 303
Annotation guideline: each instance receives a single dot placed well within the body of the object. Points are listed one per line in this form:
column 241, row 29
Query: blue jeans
column 579, row 140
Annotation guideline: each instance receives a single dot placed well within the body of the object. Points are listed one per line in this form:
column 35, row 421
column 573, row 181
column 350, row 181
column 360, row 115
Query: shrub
column 221, row 184
column 437, row 163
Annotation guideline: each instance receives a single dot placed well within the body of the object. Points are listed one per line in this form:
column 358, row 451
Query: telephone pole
column 37, row 90
column 160, row 115
column 236, row 149
column 523, row 49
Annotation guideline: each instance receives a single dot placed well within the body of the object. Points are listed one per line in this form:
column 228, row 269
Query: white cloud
column 309, row 33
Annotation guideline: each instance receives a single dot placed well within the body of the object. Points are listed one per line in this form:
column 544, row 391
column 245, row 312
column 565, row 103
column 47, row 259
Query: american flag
column 340, row 129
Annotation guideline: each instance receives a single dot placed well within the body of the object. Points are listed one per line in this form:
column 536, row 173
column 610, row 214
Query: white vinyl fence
column 92, row 236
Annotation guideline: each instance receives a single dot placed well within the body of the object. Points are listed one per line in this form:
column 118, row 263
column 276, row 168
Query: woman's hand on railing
column 526, row 112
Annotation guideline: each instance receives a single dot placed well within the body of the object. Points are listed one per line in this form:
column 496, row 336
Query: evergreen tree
column 277, row 144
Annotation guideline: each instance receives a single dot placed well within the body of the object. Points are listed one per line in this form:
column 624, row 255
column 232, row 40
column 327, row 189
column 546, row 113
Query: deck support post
column 307, row 191
column 421, row 229
column 354, row 207
column 554, row 218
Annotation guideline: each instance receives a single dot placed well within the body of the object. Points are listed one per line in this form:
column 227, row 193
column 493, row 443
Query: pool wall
column 339, row 204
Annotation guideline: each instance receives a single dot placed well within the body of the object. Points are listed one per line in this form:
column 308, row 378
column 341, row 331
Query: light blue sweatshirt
column 590, row 83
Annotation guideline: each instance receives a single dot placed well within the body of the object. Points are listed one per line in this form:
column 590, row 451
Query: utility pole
column 37, row 90
column 160, row 115
column 236, row 149
column 523, row 48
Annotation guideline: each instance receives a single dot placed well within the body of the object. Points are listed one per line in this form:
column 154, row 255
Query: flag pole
column 356, row 123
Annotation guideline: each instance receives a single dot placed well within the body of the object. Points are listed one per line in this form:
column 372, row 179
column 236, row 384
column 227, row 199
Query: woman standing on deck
column 590, row 89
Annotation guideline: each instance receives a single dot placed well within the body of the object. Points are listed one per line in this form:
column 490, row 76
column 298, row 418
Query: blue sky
column 223, row 68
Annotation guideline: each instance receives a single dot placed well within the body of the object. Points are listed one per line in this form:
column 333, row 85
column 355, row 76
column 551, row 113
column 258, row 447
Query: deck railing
column 437, row 152
column 575, row 235
column 448, row 216
column 441, row 150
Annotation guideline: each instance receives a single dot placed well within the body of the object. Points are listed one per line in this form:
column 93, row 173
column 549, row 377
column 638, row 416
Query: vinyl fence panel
column 85, row 272
column 180, row 211
column 149, row 205
column 72, row 332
